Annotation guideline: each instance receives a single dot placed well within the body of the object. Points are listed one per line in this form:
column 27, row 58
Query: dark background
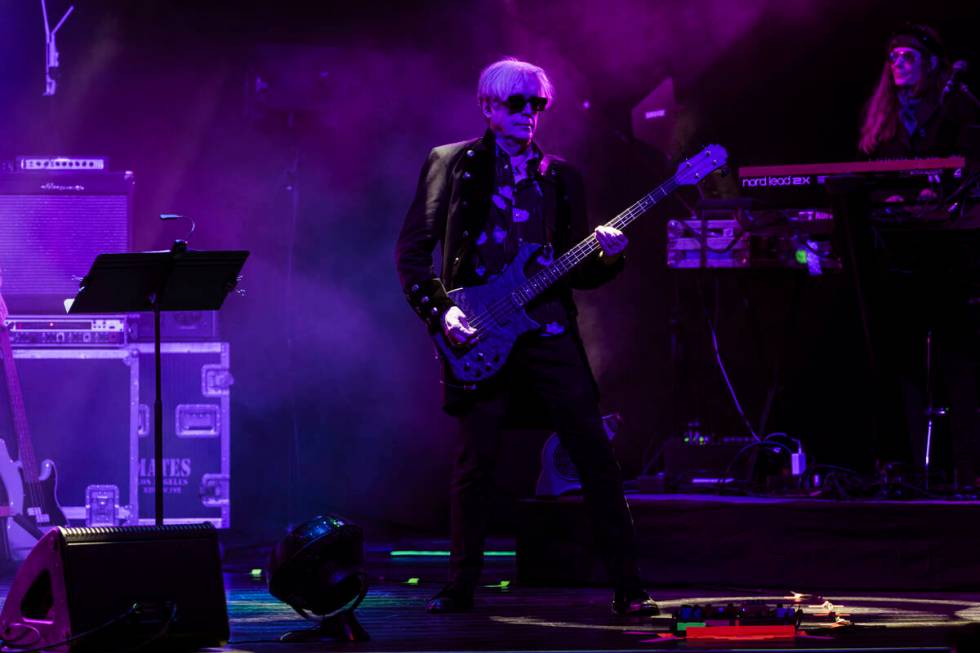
column 336, row 402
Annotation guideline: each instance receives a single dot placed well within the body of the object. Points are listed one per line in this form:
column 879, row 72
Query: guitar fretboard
column 564, row 264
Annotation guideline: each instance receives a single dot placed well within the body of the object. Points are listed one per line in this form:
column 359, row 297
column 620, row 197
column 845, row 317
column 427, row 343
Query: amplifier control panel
column 66, row 331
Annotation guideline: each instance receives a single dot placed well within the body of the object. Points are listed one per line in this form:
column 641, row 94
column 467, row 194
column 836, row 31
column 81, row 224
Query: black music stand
column 174, row 280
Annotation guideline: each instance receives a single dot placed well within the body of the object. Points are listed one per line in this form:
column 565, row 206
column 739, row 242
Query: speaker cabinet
column 107, row 589
column 52, row 226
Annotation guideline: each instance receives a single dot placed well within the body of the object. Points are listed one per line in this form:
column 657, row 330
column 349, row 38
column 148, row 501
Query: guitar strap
column 551, row 189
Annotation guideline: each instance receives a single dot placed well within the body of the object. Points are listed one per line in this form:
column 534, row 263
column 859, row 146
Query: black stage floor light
column 318, row 571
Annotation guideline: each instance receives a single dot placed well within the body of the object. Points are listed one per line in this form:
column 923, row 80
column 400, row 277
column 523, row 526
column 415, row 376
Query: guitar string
column 546, row 277
column 534, row 286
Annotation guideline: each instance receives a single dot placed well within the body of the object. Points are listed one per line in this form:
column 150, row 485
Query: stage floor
column 509, row 617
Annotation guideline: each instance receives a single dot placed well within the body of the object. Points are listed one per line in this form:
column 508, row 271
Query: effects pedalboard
column 67, row 331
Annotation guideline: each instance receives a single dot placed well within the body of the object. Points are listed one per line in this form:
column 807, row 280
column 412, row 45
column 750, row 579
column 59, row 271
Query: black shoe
column 637, row 604
column 452, row 598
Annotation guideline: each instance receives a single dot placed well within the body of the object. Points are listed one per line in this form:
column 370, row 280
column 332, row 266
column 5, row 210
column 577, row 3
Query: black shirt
column 936, row 128
column 516, row 217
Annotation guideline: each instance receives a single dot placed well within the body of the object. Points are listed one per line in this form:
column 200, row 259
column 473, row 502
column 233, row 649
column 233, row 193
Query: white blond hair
column 502, row 78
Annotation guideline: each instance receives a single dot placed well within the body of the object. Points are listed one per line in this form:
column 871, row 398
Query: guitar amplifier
column 175, row 326
column 71, row 331
column 197, row 432
column 52, row 226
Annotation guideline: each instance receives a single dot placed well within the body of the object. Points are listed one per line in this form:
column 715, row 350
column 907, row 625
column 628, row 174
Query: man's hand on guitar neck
column 612, row 241
column 456, row 327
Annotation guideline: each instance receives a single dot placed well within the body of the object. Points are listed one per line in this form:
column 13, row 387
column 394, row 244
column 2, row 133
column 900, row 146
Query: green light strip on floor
column 682, row 626
column 413, row 553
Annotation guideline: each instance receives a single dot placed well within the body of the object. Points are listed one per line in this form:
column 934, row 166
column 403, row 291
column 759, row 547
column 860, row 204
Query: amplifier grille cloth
column 46, row 240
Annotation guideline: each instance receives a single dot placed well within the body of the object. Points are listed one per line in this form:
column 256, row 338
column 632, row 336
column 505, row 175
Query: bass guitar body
column 503, row 322
column 29, row 519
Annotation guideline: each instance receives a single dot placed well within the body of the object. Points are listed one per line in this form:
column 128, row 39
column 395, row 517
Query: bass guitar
column 497, row 310
column 31, row 492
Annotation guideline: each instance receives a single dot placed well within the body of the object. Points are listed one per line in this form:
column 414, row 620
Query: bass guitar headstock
column 701, row 165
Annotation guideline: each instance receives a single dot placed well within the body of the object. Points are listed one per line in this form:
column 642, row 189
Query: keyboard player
column 908, row 115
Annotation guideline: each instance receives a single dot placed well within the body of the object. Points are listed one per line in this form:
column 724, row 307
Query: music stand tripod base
column 341, row 627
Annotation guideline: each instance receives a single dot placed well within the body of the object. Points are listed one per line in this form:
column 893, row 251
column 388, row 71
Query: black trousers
column 551, row 377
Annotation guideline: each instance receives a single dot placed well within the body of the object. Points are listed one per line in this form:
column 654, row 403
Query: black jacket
column 452, row 202
column 939, row 130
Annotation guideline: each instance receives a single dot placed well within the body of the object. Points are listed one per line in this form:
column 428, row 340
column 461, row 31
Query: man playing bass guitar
column 484, row 201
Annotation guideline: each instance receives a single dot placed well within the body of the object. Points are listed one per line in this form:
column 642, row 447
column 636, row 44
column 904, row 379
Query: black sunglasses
column 910, row 56
column 516, row 103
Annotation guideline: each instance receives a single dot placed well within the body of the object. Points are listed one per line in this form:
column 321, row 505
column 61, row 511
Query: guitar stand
column 340, row 627
column 28, row 526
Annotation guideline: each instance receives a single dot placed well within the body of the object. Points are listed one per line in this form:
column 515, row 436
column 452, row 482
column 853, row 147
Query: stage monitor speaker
column 655, row 119
column 52, row 226
column 118, row 588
